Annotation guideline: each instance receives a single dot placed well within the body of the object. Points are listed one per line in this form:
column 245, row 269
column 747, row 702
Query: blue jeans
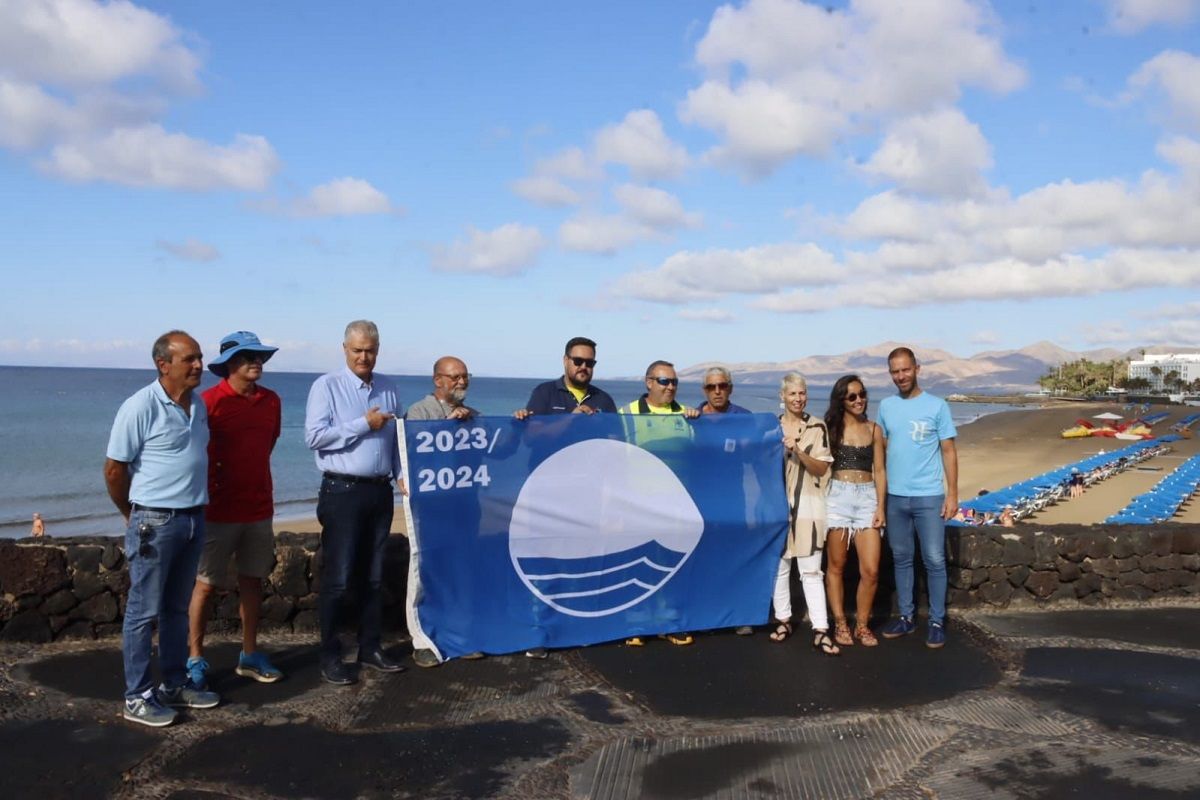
column 356, row 519
column 163, row 551
column 918, row 518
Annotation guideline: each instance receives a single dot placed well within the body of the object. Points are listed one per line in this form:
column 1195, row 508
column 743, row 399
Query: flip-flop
column 782, row 631
column 824, row 644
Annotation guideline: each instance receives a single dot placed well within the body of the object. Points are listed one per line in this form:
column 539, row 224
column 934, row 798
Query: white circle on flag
column 600, row 526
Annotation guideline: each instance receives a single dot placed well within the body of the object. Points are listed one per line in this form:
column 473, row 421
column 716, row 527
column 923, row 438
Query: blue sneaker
column 900, row 626
column 937, row 635
column 256, row 665
column 197, row 668
column 149, row 711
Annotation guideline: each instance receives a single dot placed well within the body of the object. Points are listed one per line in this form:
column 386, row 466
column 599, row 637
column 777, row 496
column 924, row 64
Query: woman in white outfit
column 806, row 462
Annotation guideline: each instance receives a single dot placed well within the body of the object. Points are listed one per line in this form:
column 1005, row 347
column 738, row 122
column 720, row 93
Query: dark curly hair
column 835, row 415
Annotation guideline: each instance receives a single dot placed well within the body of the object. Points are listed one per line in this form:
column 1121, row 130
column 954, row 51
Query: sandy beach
column 1001, row 449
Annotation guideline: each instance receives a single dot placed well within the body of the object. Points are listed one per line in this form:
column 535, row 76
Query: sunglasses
column 850, row 398
column 582, row 362
column 712, row 387
column 665, row 381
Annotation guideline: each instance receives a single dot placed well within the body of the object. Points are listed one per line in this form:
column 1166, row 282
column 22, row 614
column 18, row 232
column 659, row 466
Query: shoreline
column 996, row 449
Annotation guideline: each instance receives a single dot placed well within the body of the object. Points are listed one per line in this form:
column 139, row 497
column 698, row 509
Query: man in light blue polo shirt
column 157, row 476
column 922, row 492
column 350, row 424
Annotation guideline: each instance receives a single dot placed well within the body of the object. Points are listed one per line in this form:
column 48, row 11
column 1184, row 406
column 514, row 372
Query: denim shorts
column 851, row 505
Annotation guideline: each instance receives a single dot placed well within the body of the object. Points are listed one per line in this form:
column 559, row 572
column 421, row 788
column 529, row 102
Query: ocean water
column 54, row 426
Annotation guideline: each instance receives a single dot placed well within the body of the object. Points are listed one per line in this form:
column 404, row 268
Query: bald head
column 450, row 380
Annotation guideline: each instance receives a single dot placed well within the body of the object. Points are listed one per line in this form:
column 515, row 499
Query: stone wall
column 1085, row 564
column 75, row 587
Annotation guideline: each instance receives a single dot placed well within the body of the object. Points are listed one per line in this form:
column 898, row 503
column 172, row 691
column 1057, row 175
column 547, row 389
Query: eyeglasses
column 250, row 355
column 712, row 387
column 665, row 381
column 850, row 398
column 582, row 362
column 465, row 377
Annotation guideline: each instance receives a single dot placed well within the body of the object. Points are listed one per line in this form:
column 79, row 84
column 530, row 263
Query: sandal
column 864, row 635
column 782, row 631
column 680, row 639
column 822, row 642
column 841, row 634
column 635, row 641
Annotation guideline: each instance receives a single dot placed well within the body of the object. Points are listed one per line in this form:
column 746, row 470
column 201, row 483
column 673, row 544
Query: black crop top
column 849, row 456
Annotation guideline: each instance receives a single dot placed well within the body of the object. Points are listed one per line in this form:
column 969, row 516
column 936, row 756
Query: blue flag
column 568, row 530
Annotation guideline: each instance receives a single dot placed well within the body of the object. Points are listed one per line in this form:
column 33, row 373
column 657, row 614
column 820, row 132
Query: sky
column 747, row 182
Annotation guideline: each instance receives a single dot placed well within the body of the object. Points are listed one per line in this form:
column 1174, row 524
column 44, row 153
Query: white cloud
column 896, row 250
column 655, row 207
column 689, row 276
column 1004, row 279
column 601, row 233
column 150, row 156
column 1184, row 332
column 547, row 186
column 504, row 251
column 786, row 77
column 571, row 163
column 705, row 315
column 1132, row 16
column 1183, row 153
column 84, row 86
column 1174, row 311
column 546, row 191
column 1177, row 76
column 939, row 153
column 190, row 250
column 639, row 143
column 342, row 197
column 80, row 43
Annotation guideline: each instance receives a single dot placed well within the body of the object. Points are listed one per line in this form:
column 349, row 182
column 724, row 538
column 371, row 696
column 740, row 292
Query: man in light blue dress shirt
column 350, row 425
column 156, row 473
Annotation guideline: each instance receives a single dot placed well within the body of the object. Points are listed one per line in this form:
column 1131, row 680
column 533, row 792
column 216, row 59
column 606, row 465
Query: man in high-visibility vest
column 659, row 436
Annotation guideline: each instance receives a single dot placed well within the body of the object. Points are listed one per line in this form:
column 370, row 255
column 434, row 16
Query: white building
column 1186, row 364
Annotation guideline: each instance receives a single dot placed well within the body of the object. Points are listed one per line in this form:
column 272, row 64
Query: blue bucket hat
column 236, row 343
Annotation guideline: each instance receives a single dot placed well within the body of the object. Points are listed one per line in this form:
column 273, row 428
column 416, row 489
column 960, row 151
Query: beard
column 457, row 396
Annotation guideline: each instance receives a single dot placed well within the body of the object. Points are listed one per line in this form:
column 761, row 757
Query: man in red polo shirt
column 244, row 423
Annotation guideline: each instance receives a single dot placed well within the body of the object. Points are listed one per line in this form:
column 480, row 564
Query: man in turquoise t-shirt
column 922, row 479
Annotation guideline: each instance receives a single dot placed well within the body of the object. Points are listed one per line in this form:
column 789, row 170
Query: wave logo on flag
column 601, row 525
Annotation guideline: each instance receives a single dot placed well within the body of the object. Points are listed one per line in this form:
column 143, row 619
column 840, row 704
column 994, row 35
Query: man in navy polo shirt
column 573, row 393
column 156, row 474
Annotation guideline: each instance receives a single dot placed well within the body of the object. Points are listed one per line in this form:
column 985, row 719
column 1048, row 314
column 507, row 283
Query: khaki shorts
column 252, row 542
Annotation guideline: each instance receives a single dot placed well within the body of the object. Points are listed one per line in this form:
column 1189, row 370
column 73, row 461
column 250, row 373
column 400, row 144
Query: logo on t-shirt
column 921, row 431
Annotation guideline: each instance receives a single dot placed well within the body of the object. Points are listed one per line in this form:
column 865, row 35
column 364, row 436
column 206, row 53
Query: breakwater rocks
column 53, row 589
column 1084, row 564
column 66, row 588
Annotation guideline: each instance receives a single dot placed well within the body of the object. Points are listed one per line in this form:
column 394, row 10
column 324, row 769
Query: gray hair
column 792, row 379
column 363, row 327
column 162, row 346
column 724, row 373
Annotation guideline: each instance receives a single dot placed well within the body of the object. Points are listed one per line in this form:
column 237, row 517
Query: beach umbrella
column 1107, row 415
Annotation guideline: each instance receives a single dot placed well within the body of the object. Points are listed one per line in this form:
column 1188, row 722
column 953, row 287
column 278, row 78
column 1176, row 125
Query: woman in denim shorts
column 854, row 506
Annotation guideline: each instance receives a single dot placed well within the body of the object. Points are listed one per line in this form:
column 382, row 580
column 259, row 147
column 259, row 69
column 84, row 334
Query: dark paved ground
column 1095, row 703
